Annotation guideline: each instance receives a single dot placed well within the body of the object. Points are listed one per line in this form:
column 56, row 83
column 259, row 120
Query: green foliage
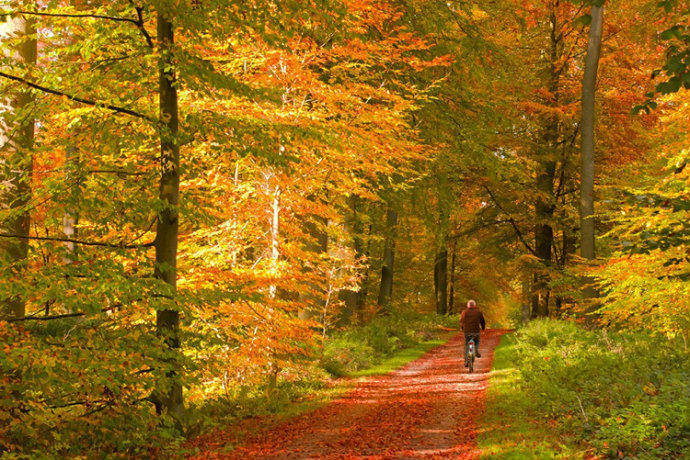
column 243, row 401
column 363, row 346
column 78, row 387
column 645, row 280
column 620, row 394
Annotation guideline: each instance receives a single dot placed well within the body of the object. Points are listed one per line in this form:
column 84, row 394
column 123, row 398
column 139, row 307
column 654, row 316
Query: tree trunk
column 451, row 283
column 70, row 220
column 364, row 285
column 525, row 299
column 16, row 160
column 386, row 287
column 167, row 228
column 352, row 297
column 546, row 201
column 543, row 238
column 275, row 229
column 317, row 242
column 441, row 280
column 587, row 249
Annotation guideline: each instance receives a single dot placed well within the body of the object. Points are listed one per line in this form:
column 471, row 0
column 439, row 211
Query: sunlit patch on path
column 427, row 409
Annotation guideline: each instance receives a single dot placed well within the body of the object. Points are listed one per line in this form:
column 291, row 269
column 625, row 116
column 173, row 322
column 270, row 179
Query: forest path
column 426, row 409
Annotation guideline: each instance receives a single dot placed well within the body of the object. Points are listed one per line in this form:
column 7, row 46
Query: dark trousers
column 468, row 337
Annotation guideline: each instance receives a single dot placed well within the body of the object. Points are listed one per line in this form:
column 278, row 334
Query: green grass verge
column 395, row 361
column 322, row 396
column 509, row 428
column 401, row 357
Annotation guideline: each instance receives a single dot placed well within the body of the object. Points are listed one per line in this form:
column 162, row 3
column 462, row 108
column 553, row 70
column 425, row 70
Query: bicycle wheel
column 472, row 364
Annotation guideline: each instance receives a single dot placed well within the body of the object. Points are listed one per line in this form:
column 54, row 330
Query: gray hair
column 471, row 303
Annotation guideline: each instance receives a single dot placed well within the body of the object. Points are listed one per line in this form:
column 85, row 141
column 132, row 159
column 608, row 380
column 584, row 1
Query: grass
column 328, row 393
column 560, row 390
column 508, row 429
column 401, row 357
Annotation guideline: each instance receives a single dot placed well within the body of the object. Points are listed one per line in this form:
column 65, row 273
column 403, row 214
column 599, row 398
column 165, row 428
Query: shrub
column 626, row 394
column 364, row 346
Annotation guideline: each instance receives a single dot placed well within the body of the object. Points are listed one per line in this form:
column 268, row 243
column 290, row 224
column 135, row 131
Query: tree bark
column 353, row 297
column 70, row 220
column 587, row 248
column 167, row 228
column 451, row 283
column 386, row 287
column 441, row 280
column 16, row 159
column 546, row 201
column 275, row 231
column 317, row 242
column 543, row 237
column 364, row 285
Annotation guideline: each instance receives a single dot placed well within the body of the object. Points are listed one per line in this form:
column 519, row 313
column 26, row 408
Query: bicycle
column 471, row 355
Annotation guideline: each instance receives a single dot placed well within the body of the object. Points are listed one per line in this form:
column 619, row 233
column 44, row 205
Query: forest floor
column 426, row 409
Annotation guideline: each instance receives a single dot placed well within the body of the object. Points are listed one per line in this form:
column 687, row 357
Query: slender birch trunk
column 275, row 229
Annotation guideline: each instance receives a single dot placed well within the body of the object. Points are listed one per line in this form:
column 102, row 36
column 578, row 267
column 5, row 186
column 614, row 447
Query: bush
column 78, row 388
column 625, row 394
column 365, row 346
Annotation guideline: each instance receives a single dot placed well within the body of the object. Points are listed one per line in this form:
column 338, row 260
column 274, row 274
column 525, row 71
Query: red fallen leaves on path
column 427, row 409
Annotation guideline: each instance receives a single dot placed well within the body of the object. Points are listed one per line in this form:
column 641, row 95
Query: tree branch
column 81, row 242
column 66, row 315
column 69, row 15
column 111, row 107
column 511, row 221
column 140, row 25
column 139, row 22
column 119, row 172
column 46, row 318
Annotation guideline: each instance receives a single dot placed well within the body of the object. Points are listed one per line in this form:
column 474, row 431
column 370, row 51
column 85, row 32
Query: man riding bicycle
column 472, row 323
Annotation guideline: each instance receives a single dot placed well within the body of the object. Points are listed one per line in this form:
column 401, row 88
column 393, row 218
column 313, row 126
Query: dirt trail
column 427, row 409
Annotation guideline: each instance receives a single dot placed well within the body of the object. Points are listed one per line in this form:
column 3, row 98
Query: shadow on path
column 426, row 409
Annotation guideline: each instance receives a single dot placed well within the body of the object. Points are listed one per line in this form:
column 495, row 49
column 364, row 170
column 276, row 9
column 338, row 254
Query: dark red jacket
column 472, row 321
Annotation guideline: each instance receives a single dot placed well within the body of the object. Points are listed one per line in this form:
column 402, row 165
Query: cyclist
column 472, row 323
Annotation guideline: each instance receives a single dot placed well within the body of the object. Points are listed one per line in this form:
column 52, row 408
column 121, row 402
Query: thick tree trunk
column 589, row 81
column 386, row 287
column 167, row 228
column 16, row 161
column 543, row 237
column 441, row 280
column 546, row 201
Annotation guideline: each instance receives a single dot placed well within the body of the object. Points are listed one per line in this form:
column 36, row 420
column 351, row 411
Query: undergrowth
column 366, row 346
column 559, row 390
column 384, row 344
